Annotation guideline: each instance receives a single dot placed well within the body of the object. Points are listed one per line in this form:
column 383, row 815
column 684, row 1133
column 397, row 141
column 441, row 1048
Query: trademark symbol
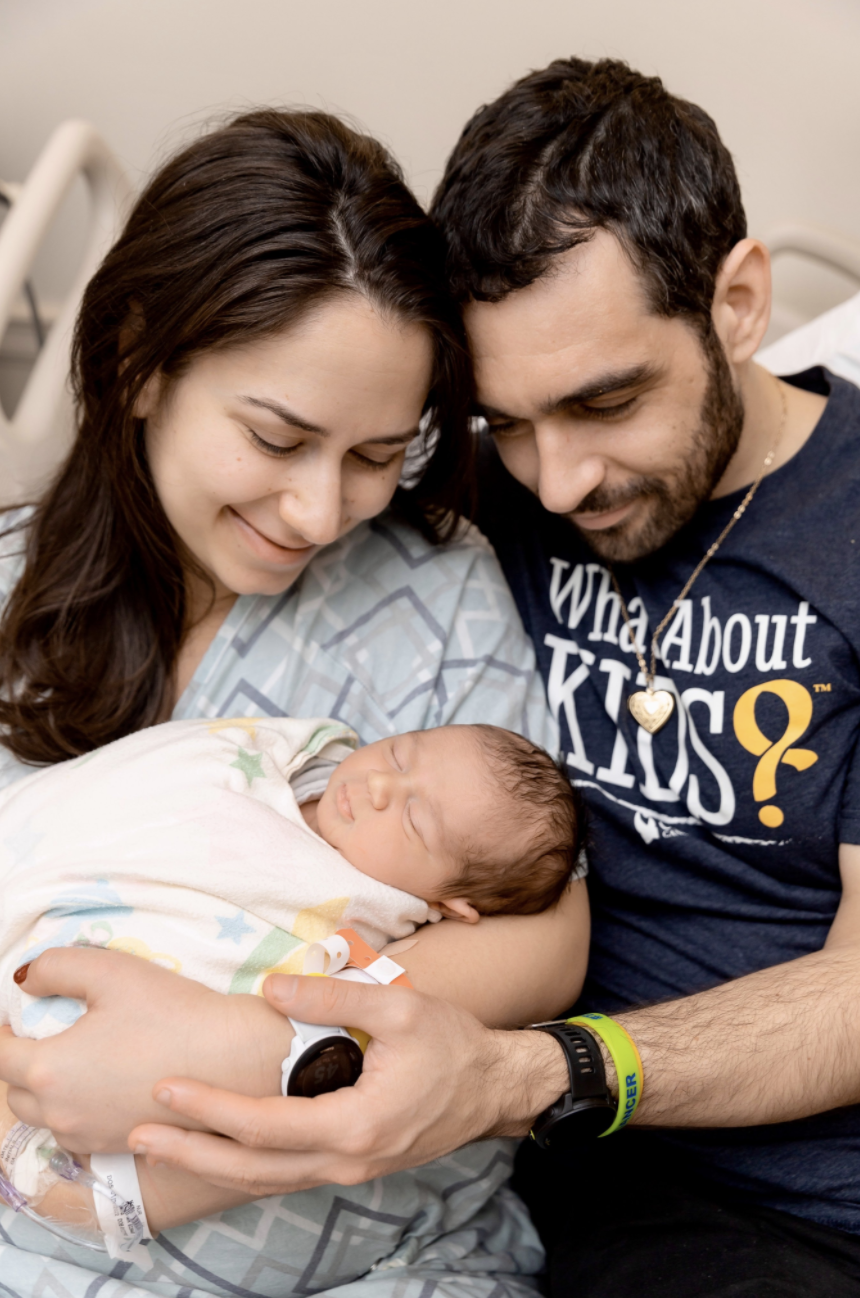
column 821, row 689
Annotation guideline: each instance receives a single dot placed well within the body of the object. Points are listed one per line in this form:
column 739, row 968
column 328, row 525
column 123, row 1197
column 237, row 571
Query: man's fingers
column 222, row 1162
column 297, row 1123
column 376, row 1010
column 70, row 971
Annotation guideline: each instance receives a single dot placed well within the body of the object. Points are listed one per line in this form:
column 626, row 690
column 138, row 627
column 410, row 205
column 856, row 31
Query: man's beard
column 672, row 501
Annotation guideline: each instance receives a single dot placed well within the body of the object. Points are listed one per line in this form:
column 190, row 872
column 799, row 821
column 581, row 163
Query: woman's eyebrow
column 290, row 417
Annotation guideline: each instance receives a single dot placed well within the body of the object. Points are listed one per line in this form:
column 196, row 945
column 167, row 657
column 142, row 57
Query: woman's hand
column 92, row 1083
column 434, row 1078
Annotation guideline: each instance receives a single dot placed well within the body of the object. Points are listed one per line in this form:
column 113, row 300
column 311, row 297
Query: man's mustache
column 602, row 500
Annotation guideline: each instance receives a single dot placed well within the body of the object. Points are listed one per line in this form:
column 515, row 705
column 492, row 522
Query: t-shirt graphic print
column 714, row 843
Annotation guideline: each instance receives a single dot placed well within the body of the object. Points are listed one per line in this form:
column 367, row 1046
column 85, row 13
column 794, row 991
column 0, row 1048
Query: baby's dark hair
column 541, row 798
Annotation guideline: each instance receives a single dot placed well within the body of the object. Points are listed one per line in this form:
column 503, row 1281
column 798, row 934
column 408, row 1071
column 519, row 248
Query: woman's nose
column 379, row 786
column 313, row 506
column 565, row 475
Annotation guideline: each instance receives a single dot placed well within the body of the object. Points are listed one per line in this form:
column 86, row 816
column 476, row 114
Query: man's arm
column 779, row 1044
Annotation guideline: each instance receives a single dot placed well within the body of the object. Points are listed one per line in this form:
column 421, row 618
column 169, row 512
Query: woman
column 234, row 533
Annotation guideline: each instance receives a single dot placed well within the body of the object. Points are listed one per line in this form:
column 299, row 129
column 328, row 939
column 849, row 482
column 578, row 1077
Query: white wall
column 780, row 77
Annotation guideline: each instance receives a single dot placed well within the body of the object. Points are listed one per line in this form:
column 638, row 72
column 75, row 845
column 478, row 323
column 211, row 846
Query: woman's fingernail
column 20, row 974
column 141, row 1149
column 164, row 1096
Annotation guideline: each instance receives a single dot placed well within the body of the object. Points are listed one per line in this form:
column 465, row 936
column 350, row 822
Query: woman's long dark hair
column 232, row 240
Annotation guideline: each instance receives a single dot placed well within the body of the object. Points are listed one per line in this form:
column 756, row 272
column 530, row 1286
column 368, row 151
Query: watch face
column 334, row 1062
column 573, row 1130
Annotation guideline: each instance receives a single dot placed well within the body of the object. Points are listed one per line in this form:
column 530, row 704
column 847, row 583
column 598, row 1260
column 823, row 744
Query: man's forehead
column 586, row 315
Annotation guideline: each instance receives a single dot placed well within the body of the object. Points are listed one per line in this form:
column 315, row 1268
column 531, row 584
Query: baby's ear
column 458, row 908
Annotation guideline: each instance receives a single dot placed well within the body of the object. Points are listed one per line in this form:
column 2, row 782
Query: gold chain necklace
column 652, row 708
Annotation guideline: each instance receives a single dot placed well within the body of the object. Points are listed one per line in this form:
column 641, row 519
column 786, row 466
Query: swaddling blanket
column 183, row 844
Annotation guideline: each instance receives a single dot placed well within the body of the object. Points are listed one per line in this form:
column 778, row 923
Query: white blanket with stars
column 183, row 844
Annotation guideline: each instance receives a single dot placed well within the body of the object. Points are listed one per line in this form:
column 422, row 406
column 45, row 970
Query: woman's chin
column 255, row 583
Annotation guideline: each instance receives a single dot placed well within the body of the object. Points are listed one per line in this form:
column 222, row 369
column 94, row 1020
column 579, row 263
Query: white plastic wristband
column 121, row 1214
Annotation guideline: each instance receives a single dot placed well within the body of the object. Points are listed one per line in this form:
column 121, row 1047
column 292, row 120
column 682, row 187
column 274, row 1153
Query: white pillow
column 832, row 339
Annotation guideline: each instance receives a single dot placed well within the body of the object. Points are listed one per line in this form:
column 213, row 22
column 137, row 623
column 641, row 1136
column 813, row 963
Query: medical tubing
column 18, row 1203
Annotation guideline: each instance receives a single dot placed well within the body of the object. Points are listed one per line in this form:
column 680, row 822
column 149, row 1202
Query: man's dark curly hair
column 584, row 146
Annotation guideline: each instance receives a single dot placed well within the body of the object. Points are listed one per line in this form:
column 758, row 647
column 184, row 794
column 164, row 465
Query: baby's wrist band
column 628, row 1064
column 322, row 1058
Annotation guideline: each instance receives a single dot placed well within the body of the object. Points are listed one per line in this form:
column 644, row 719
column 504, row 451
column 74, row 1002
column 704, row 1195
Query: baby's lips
column 20, row 974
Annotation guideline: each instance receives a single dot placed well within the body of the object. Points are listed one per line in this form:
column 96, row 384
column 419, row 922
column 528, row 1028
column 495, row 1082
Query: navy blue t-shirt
column 714, row 845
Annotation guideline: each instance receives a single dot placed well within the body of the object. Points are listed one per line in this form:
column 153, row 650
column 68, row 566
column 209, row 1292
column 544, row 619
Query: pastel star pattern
column 234, row 929
column 251, row 765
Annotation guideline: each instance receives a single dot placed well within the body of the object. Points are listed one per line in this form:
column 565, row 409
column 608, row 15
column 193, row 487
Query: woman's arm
column 170, row 1197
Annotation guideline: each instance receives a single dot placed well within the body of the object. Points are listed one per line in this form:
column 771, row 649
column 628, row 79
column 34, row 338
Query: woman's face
column 263, row 454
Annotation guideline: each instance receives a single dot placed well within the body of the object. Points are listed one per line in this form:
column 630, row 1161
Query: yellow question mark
column 798, row 701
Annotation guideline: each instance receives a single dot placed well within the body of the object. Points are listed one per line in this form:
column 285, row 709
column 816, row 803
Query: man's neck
column 765, row 425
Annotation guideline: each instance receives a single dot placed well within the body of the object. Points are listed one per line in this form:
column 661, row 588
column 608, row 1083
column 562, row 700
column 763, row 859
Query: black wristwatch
column 587, row 1109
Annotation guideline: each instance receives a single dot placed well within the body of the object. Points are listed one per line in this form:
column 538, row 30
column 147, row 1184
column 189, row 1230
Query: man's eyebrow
column 296, row 421
column 602, row 386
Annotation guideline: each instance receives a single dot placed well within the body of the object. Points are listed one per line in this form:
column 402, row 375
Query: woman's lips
column 343, row 804
column 267, row 549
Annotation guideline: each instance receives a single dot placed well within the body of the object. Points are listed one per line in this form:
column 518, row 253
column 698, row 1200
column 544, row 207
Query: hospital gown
column 386, row 634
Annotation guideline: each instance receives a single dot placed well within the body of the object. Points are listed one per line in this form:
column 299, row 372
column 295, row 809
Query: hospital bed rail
column 34, row 438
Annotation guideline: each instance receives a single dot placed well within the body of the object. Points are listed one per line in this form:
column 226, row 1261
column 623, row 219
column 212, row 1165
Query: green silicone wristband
column 628, row 1065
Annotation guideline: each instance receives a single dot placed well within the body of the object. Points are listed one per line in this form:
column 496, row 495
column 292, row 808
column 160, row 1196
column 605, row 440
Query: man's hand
column 93, row 1082
column 434, row 1078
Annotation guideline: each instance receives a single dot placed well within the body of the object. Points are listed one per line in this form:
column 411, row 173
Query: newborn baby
column 473, row 819
column 222, row 849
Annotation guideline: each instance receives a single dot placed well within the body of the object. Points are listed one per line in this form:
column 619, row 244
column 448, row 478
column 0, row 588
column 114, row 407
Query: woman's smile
column 265, row 548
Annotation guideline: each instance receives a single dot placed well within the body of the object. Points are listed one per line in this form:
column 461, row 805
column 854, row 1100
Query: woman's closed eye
column 367, row 461
column 272, row 448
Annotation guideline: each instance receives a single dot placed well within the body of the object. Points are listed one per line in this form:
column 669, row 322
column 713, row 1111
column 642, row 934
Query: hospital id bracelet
column 628, row 1064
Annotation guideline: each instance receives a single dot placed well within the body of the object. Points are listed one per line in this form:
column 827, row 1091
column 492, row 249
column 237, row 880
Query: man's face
column 621, row 419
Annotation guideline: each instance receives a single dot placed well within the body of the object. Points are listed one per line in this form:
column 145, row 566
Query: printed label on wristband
column 119, row 1205
column 628, row 1065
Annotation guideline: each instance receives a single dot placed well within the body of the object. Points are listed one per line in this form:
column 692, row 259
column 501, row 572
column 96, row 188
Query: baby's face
column 400, row 810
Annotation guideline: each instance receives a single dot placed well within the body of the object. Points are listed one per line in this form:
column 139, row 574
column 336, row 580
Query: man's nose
column 313, row 505
column 379, row 786
column 565, row 475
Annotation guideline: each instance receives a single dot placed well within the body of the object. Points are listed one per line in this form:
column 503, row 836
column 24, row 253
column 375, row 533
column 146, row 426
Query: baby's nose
column 379, row 788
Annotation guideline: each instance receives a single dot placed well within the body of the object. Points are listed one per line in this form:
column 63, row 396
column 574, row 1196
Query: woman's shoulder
column 388, row 546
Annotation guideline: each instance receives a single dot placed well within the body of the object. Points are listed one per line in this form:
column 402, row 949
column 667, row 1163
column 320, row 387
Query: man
column 646, row 477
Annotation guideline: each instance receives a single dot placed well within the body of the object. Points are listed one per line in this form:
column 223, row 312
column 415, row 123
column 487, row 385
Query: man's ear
column 741, row 306
column 458, row 908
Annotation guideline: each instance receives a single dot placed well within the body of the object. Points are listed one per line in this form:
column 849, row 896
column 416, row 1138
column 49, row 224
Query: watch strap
column 588, row 1091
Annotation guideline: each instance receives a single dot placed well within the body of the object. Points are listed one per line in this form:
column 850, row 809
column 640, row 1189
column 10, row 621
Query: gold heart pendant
column 651, row 708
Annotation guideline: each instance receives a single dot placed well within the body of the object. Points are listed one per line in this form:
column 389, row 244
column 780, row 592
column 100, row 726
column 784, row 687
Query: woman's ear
column 458, row 908
column 742, row 296
column 147, row 400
